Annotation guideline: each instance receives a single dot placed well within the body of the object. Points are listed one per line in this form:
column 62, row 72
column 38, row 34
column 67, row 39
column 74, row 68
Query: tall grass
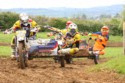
column 116, row 61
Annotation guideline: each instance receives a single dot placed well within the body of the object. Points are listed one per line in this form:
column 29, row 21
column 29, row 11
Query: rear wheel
column 62, row 61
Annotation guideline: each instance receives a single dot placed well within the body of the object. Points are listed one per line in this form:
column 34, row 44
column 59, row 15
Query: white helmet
column 24, row 17
column 73, row 29
column 73, row 26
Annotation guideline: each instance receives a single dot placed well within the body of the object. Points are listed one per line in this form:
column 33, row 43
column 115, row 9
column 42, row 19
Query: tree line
column 7, row 19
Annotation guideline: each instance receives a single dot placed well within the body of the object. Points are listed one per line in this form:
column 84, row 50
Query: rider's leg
column 32, row 36
column 96, row 53
column 13, row 48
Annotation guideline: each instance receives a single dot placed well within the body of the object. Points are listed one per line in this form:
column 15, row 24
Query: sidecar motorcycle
column 28, row 48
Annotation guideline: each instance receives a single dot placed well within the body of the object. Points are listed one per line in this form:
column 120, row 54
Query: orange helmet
column 105, row 30
column 105, row 27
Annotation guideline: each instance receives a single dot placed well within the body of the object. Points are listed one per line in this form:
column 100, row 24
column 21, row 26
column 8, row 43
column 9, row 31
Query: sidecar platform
column 49, row 49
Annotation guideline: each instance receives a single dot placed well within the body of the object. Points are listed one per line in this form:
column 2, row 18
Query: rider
column 63, row 31
column 100, row 40
column 72, row 40
column 23, row 21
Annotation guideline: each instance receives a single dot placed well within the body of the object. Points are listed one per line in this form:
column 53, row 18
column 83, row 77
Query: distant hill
column 69, row 12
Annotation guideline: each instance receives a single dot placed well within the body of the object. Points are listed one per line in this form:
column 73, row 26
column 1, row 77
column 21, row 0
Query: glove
column 70, row 41
column 100, row 40
column 90, row 34
column 90, row 38
column 38, row 29
column 50, row 34
column 46, row 26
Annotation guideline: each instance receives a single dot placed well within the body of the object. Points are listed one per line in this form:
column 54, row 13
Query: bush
column 7, row 19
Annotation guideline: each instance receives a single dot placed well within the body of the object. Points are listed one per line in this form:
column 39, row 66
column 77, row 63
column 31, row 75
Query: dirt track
column 110, row 44
column 46, row 71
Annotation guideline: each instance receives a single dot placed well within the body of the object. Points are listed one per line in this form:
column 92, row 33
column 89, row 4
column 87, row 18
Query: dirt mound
column 46, row 71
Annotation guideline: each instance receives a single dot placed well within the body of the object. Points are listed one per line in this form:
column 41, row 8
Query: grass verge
column 5, row 51
column 115, row 63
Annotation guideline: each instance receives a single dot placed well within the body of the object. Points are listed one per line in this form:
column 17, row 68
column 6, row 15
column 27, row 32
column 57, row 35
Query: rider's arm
column 33, row 23
column 16, row 26
column 77, row 37
column 55, row 30
column 96, row 34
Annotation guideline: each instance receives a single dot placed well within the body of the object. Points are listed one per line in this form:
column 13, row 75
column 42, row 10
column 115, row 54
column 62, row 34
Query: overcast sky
column 6, row 4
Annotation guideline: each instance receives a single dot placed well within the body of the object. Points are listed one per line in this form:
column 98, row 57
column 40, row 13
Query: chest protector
column 27, row 28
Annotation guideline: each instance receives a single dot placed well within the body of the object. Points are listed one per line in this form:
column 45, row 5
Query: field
column 111, row 68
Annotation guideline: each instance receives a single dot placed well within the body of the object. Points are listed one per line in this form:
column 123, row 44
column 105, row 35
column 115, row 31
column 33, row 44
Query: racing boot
column 13, row 57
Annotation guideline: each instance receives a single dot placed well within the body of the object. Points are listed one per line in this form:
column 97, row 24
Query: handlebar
column 47, row 26
column 8, row 31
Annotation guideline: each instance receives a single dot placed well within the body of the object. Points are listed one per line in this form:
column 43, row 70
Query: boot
column 13, row 57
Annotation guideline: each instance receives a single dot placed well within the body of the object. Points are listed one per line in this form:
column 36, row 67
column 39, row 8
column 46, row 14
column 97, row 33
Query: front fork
column 25, row 47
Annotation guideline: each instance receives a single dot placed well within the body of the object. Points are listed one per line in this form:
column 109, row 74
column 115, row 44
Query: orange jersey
column 100, row 43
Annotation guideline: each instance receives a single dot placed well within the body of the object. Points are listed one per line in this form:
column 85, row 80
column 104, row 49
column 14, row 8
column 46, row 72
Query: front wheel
column 22, row 58
column 56, row 59
column 68, row 59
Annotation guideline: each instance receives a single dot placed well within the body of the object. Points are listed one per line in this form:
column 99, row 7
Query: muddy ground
column 46, row 71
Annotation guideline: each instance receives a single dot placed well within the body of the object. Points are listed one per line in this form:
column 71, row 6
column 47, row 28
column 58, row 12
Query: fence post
column 124, row 37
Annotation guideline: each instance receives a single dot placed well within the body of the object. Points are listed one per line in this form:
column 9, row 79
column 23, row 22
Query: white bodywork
column 43, row 42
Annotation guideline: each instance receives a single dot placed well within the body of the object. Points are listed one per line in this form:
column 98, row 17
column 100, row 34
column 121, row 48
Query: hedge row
column 7, row 19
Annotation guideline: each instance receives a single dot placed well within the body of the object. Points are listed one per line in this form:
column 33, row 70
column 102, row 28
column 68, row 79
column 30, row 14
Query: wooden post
column 124, row 37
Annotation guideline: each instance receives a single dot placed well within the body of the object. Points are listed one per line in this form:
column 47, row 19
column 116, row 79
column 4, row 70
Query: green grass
column 115, row 38
column 7, row 37
column 43, row 35
column 116, row 59
column 113, row 52
column 115, row 55
column 5, row 51
column 115, row 63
